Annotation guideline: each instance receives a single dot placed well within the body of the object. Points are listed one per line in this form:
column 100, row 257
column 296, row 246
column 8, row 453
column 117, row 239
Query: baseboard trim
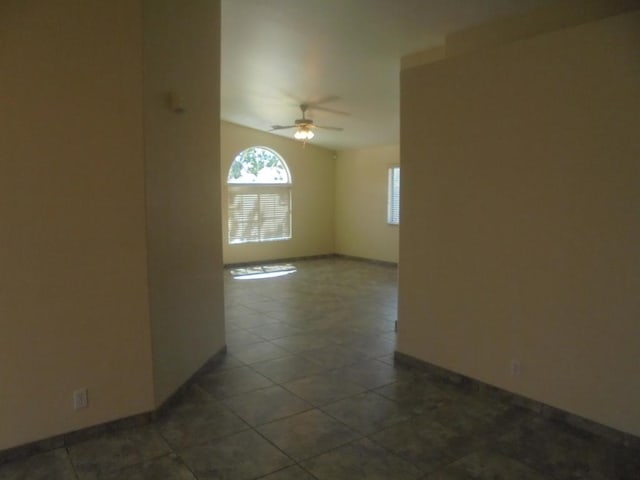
column 279, row 260
column 70, row 438
column 312, row 257
column 210, row 364
column 542, row 409
column 373, row 261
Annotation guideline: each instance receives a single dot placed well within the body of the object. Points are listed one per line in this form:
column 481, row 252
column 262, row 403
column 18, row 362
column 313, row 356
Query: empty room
column 342, row 239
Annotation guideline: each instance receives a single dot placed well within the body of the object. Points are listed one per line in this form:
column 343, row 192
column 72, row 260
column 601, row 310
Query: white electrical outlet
column 515, row 367
column 80, row 398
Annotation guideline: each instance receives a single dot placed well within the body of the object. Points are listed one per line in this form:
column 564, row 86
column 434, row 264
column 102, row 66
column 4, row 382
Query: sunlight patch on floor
column 262, row 271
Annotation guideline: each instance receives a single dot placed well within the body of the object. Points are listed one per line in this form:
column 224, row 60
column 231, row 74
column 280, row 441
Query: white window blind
column 259, row 213
column 393, row 199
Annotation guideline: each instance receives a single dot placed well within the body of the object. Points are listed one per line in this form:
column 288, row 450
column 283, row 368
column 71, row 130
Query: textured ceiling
column 343, row 55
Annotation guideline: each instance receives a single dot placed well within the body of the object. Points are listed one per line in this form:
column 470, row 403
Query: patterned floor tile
column 273, row 331
column 169, row 467
column 367, row 412
column 285, row 369
column 197, row 418
column 362, row 460
column 418, row 396
column 244, row 455
column 334, row 356
column 266, row 405
column 370, row 373
column 301, row 342
column 116, row 450
column 424, row 446
column 307, row 434
column 233, row 382
column 289, row 473
column 487, row 466
column 225, row 362
column 323, row 388
column 43, row 466
column 257, row 352
column 239, row 338
column 563, row 452
column 373, row 345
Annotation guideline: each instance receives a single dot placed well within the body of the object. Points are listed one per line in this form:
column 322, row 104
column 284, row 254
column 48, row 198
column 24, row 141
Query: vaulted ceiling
column 341, row 56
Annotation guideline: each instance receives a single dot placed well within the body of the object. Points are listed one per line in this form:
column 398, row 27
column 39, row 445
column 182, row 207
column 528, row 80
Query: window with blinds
column 393, row 197
column 259, row 214
column 259, row 195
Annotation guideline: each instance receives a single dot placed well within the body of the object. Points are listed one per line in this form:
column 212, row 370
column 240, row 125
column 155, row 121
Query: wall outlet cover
column 80, row 398
column 515, row 367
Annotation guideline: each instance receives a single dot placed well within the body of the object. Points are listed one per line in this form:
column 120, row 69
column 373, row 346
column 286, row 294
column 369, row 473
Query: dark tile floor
column 309, row 390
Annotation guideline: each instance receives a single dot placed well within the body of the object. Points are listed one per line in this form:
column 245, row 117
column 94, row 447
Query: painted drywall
column 182, row 155
column 547, row 18
column 312, row 170
column 521, row 217
column 73, row 274
column 361, row 203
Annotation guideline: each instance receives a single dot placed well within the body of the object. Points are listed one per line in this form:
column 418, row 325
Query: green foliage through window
column 258, row 165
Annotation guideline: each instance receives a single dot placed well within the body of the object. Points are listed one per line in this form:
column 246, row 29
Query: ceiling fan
column 304, row 126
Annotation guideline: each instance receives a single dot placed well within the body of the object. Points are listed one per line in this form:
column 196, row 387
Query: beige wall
column 547, row 18
column 73, row 280
column 521, row 217
column 74, row 295
column 361, row 203
column 312, row 170
column 182, row 154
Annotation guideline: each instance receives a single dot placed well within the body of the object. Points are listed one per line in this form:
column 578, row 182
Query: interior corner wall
column 73, row 272
column 312, row 171
column 521, row 217
column 361, row 203
column 546, row 18
column 182, row 155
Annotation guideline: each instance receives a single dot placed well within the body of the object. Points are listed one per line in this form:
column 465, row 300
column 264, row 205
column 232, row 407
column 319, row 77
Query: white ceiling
column 342, row 54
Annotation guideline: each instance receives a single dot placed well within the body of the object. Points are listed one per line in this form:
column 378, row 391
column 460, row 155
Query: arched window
column 259, row 190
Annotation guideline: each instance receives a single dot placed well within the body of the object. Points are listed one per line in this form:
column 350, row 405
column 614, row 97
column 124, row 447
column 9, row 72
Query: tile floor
column 309, row 390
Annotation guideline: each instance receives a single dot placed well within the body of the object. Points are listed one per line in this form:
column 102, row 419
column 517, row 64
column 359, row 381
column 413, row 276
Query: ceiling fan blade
column 328, row 110
column 322, row 100
column 337, row 129
column 311, row 102
column 281, row 127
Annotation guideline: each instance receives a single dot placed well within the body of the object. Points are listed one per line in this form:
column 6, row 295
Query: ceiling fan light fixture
column 303, row 133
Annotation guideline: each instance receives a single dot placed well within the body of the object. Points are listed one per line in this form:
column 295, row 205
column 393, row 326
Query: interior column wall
column 182, row 155
column 521, row 217
column 73, row 272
